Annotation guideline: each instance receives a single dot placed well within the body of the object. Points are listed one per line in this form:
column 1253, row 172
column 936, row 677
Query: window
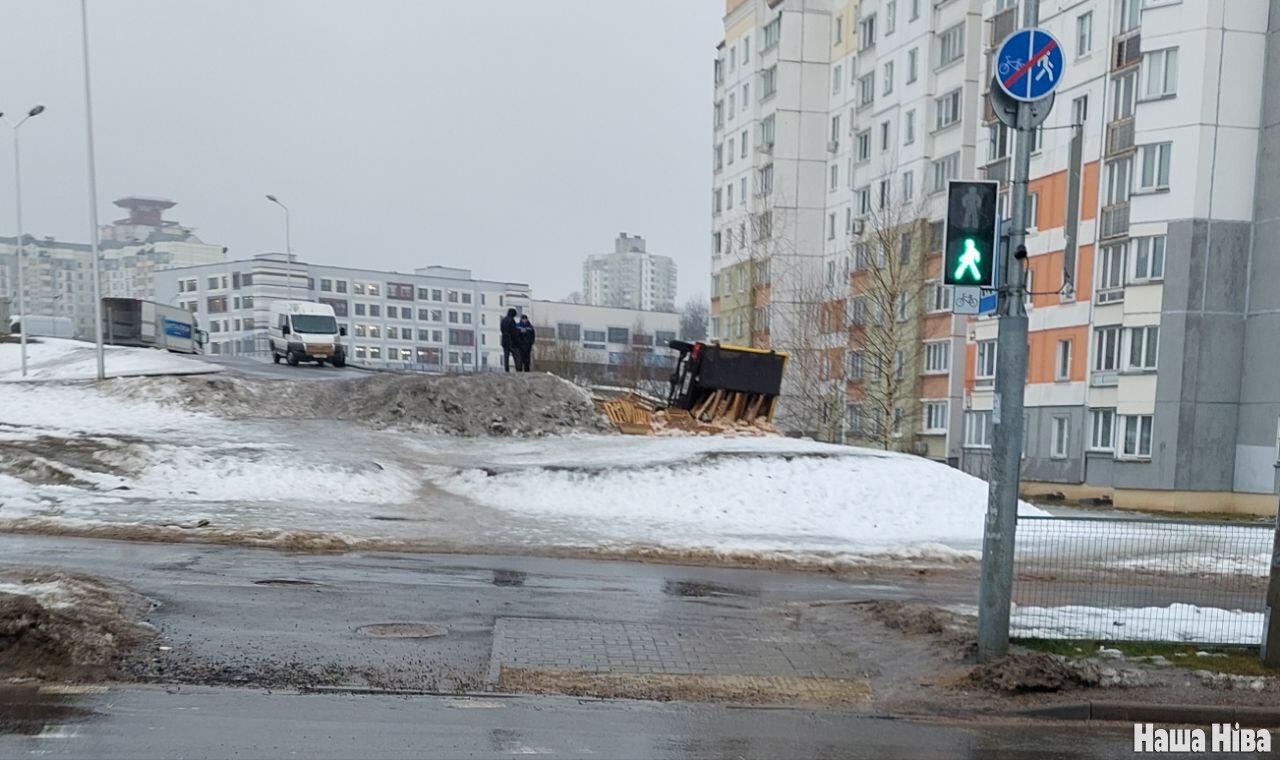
column 1123, row 97
column 885, row 193
column 941, row 298
column 839, row 29
column 746, row 49
column 618, row 335
column 216, row 305
column 935, row 417
column 466, row 317
column 1136, row 443
column 1148, row 258
column 947, row 110
column 338, row 305
column 1130, row 14
column 462, row 338
column 998, row 142
column 728, row 196
column 1084, row 34
column 1118, row 173
column 1102, row 429
column 766, row 179
column 835, row 128
column 835, row 177
column 766, row 130
column 1111, row 266
column 732, row 152
column 772, row 33
column 944, row 169
column 373, row 289
column 831, row 235
column 375, row 310
column 437, row 315
column 437, row 295
column 977, row 430
column 361, row 310
column 837, row 79
column 1153, row 165
column 718, row 114
column 888, row 78
column 326, row 285
column 1037, row 139
column 1143, row 345
column 1160, row 73
column 1080, row 110
column 393, row 333
column 909, row 127
column 1033, row 212
column 913, row 65
column 937, row 357
column 769, row 82
column 375, row 331
column 466, row 297
column 1062, row 367
column 398, row 291
column 908, row 185
column 862, row 200
column 867, row 89
column 453, row 317
column 867, row 32
column 915, row 10
column 951, row 45
column 1106, row 349
column 890, row 17
column 1060, row 433
column 986, row 368
column 862, row 142
column 733, row 58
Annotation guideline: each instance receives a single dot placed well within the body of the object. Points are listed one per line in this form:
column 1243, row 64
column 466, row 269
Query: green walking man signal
column 972, row 233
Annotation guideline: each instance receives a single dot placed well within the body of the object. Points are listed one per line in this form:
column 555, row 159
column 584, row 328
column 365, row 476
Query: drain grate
column 402, row 630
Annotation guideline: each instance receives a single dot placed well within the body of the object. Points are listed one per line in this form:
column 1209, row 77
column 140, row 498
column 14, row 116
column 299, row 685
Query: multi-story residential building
column 1150, row 382
column 610, row 343
column 1150, row 365
column 630, row 277
column 59, row 274
column 436, row 318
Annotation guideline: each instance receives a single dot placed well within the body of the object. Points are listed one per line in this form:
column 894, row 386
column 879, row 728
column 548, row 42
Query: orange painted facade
column 1043, row 359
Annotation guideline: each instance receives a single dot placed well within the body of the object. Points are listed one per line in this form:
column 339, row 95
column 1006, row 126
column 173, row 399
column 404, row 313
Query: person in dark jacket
column 525, row 337
column 509, row 335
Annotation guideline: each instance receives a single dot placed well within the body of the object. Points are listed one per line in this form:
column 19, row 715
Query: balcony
column 998, row 170
column 1120, row 136
column 1002, row 25
column 1126, row 51
column 1115, row 220
column 1104, row 378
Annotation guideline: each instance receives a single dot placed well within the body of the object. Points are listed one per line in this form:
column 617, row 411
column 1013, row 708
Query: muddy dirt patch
column 55, row 625
column 665, row 687
column 1038, row 671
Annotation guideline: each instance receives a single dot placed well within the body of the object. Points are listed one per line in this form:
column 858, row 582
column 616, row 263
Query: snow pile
column 1177, row 622
column 62, row 359
column 756, row 497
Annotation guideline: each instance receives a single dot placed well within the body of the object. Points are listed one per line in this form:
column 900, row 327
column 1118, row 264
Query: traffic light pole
column 996, row 589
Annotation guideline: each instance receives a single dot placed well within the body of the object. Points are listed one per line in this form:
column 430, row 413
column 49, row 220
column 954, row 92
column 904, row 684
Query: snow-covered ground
column 62, row 359
column 1177, row 622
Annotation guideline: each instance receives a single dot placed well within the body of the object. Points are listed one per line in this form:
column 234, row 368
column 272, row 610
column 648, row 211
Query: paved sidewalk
column 603, row 647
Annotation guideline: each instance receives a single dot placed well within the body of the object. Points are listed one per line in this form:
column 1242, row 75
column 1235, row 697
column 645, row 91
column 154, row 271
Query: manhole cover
column 284, row 582
column 402, row 630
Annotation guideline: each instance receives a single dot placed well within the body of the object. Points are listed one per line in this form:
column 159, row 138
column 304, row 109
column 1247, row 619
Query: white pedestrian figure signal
column 972, row 208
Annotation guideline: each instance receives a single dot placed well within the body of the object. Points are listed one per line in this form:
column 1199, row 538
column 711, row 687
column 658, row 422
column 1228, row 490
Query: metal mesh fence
column 1140, row 579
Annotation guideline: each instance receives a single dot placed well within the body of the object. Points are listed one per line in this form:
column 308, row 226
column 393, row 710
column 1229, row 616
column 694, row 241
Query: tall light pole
column 288, row 244
column 17, row 199
column 93, row 193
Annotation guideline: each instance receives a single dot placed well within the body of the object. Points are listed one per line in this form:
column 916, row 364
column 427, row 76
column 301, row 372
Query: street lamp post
column 93, row 194
column 17, row 199
column 288, row 244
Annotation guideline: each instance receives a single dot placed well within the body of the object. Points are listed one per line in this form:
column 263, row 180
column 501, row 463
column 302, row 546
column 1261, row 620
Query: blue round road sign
column 1029, row 64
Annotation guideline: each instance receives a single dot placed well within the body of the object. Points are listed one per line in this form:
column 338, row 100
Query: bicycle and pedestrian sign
column 1029, row 64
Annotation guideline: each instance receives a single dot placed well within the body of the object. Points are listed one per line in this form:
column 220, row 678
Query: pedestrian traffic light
column 972, row 234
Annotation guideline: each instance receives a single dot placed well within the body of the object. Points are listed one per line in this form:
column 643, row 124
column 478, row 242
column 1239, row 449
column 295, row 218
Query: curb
column 1139, row 712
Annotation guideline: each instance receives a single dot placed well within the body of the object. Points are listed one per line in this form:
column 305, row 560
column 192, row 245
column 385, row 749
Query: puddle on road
column 509, row 578
column 700, row 589
column 31, row 712
column 402, row 630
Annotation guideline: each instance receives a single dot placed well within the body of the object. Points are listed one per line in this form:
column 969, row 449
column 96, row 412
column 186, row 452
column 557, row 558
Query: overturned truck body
column 720, row 383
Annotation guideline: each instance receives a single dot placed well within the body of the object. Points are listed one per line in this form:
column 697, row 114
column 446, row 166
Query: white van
column 304, row 331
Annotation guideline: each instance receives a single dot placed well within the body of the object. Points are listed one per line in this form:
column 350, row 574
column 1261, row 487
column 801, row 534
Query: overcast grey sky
column 506, row 136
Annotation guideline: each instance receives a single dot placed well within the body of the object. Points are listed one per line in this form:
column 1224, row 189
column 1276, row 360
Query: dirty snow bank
column 483, row 404
column 63, row 359
column 57, row 625
column 812, row 499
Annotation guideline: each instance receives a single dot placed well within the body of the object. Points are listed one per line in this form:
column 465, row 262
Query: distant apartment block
column 630, row 277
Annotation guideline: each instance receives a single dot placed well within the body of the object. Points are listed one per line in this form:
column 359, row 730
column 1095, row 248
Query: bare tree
column 693, row 319
column 574, row 297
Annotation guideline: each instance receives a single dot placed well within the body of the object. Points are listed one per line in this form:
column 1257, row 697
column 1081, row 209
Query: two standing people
column 517, row 340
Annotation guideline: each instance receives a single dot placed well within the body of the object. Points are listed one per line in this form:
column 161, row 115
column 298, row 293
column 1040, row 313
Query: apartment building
column 59, row 274
column 1150, row 382
column 437, row 318
column 608, row 343
column 630, row 277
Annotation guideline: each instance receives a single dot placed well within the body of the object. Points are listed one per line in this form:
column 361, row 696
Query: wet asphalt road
column 261, row 368
column 152, row 722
